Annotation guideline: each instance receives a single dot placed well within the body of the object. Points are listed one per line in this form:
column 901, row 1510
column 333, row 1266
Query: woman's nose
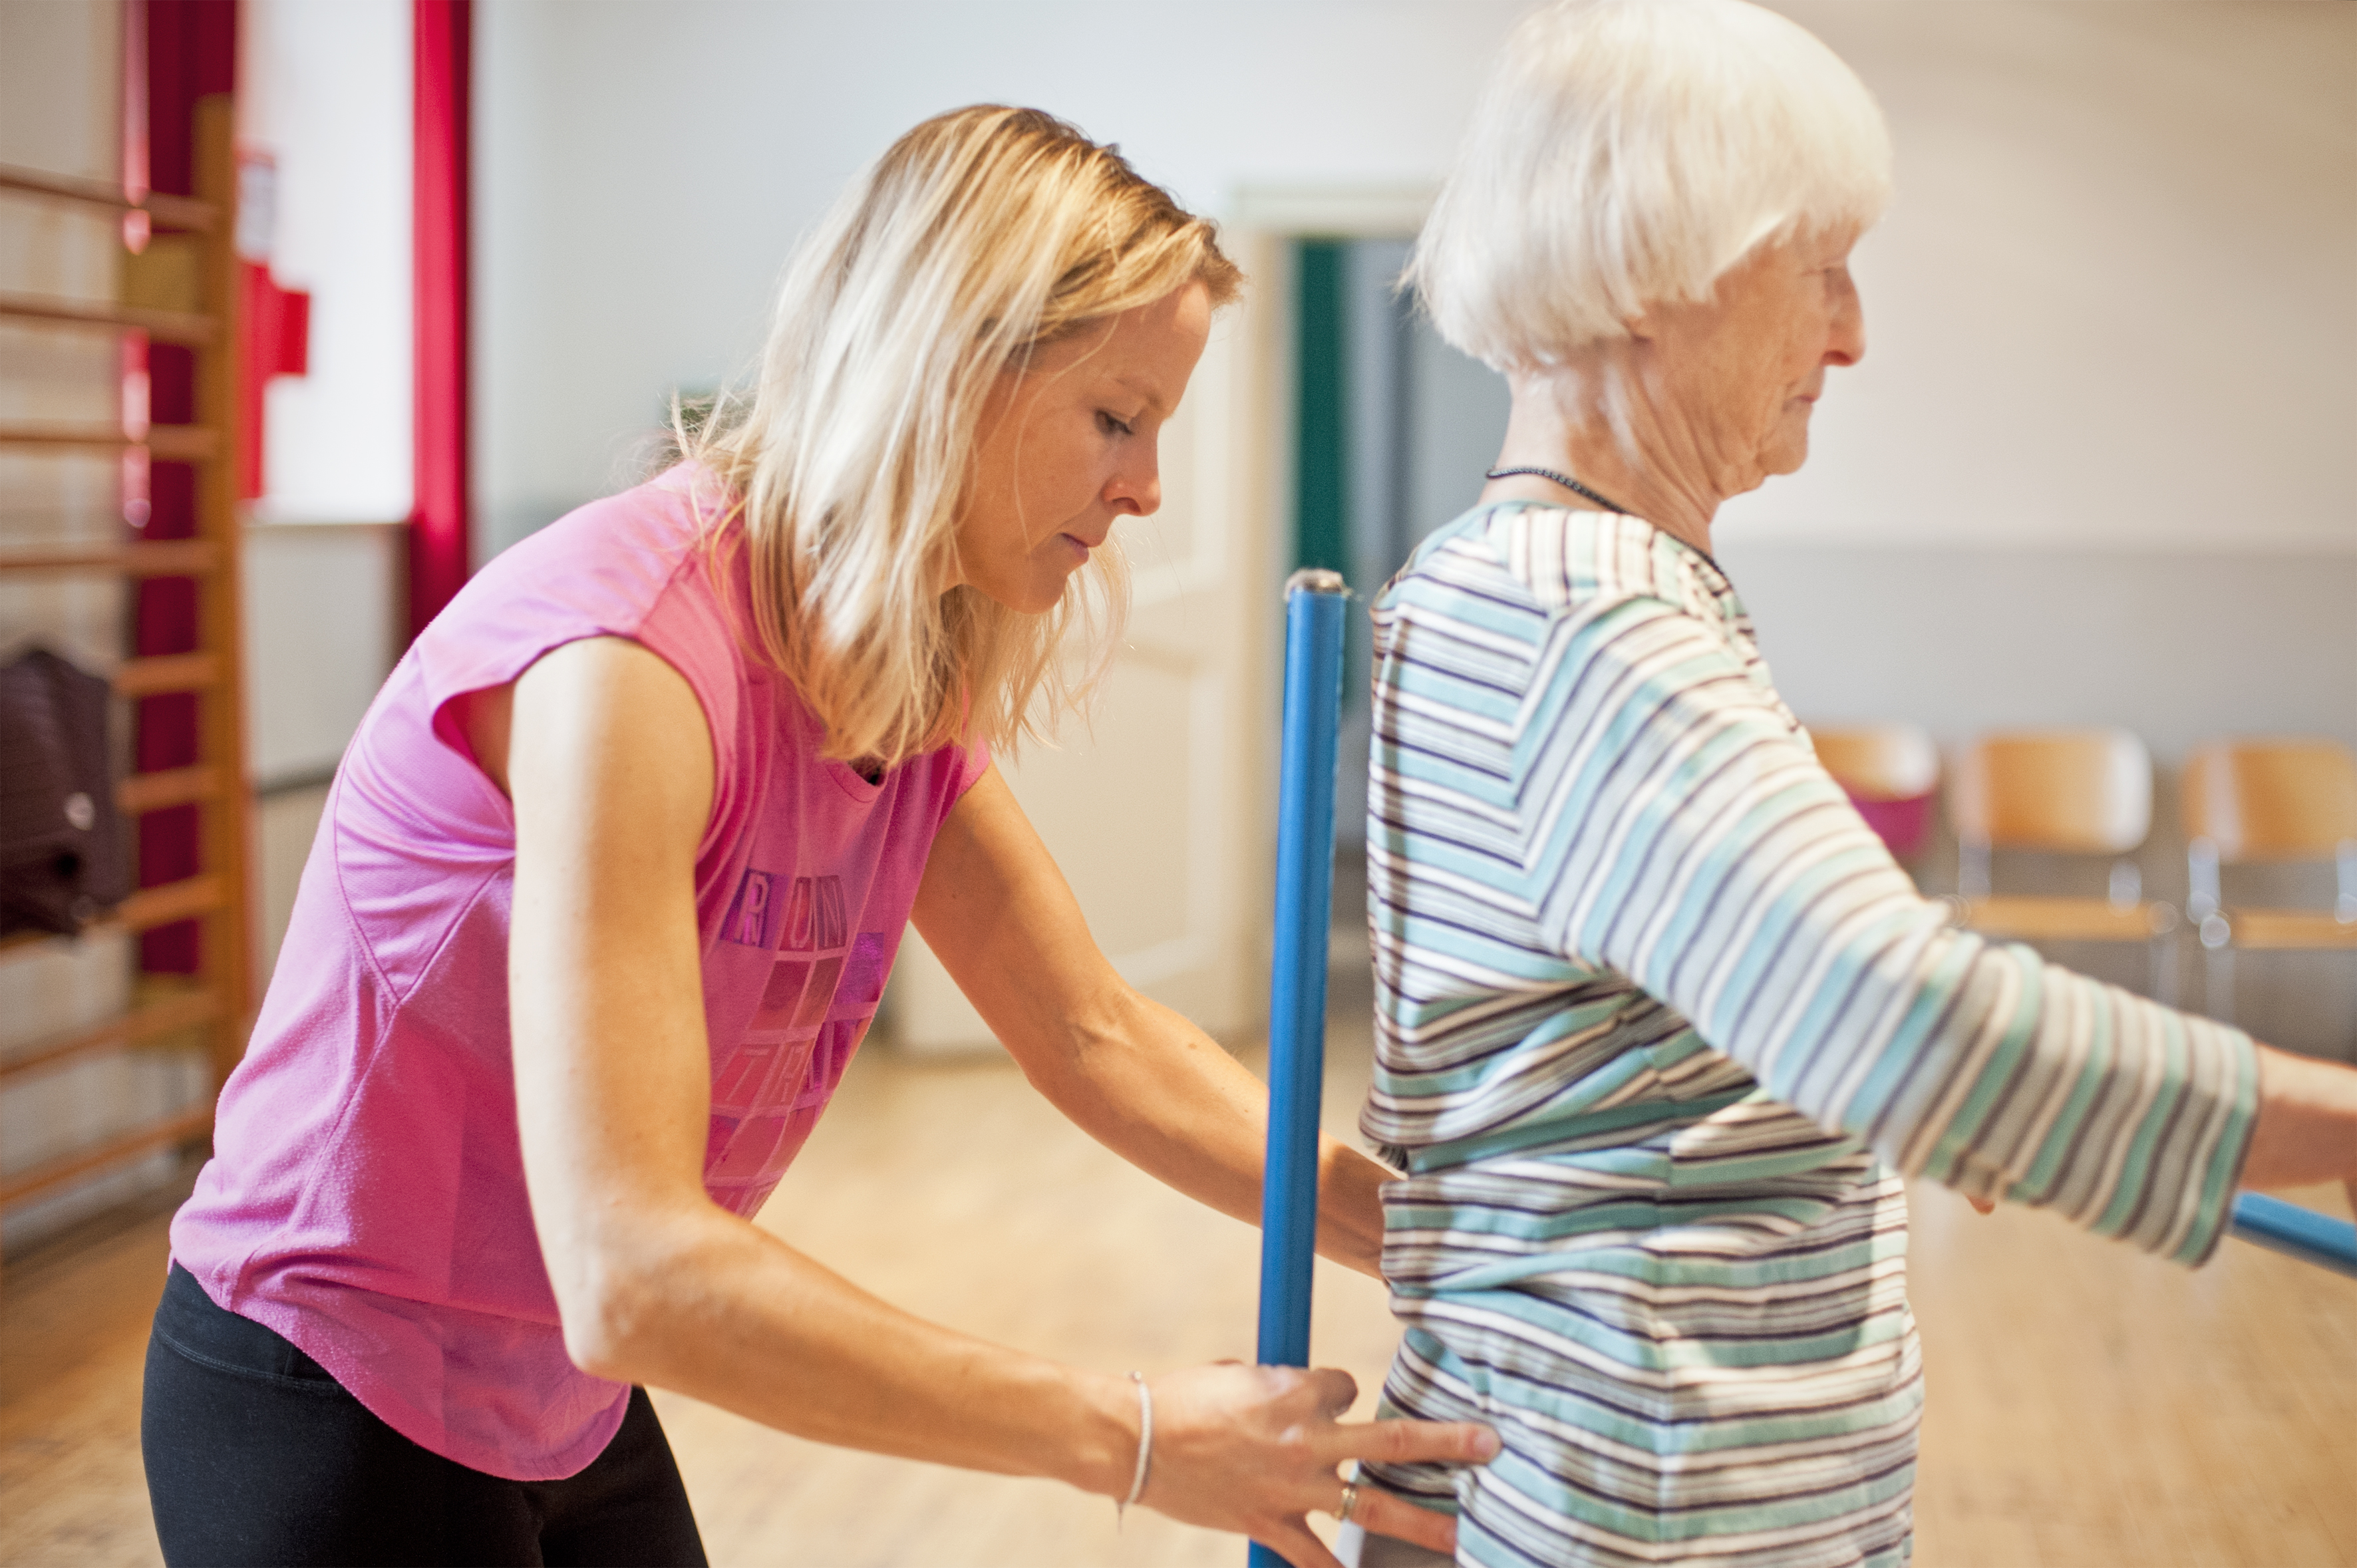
column 1136, row 488
column 1845, row 343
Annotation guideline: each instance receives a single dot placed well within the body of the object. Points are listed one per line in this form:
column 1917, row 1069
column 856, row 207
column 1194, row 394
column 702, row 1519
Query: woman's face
column 1069, row 445
column 1742, row 371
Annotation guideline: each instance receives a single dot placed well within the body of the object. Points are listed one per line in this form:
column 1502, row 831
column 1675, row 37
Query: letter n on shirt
column 767, row 1092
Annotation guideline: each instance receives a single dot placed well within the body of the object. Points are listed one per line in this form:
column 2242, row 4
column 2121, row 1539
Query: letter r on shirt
column 750, row 916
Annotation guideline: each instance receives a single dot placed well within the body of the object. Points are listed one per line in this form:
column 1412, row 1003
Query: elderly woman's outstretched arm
column 1673, row 824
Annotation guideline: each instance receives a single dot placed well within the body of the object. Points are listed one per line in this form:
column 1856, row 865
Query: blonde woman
column 604, row 901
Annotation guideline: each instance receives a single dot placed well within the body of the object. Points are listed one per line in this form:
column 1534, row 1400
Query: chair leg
column 2164, row 969
column 2218, row 984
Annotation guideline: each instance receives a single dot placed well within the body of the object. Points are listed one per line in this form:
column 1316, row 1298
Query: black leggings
column 256, row 1456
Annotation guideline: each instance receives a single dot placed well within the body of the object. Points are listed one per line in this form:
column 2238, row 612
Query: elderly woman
column 1661, row 1024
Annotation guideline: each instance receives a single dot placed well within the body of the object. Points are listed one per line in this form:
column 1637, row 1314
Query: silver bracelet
column 1144, row 1447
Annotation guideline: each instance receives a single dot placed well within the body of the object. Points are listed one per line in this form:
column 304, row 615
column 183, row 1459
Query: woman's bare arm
column 609, row 763
column 1141, row 1079
column 2306, row 1130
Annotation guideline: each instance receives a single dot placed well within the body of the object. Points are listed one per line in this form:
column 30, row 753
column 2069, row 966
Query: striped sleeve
column 1674, row 826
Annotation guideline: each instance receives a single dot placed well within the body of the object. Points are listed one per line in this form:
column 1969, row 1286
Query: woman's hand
column 1256, row 1449
column 2306, row 1130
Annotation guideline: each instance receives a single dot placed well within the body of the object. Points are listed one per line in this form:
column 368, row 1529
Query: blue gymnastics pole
column 1314, row 602
column 2305, row 1234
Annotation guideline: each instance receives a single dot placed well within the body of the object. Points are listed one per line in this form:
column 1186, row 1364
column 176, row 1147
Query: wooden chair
column 2084, row 792
column 1892, row 773
column 2260, row 801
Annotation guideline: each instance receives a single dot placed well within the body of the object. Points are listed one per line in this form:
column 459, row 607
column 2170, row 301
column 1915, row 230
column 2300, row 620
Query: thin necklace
column 1567, row 482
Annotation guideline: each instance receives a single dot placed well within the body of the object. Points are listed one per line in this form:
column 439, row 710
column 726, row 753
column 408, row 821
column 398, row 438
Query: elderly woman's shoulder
column 1562, row 558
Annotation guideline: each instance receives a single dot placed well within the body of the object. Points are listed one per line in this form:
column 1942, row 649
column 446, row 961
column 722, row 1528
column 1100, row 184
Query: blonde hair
column 981, row 235
column 1627, row 153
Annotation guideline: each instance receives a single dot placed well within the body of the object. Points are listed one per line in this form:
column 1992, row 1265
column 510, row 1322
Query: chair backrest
column 2288, row 799
column 2076, row 791
column 1879, row 762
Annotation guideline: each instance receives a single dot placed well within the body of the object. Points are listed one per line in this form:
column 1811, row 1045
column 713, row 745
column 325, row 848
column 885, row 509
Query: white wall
column 324, row 86
column 324, row 89
column 642, row 168
column 323, row 629
column 2110, row 306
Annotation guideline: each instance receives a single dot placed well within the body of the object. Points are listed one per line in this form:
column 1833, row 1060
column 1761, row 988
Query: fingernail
column 1485, row 1444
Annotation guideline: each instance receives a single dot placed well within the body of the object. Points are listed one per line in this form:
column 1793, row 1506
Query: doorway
column 1392, row 430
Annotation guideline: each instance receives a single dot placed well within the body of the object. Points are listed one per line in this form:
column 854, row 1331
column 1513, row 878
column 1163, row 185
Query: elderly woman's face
column 1741, row 371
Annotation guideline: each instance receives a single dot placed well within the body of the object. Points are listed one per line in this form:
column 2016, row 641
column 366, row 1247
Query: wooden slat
column 183, row 442
column 2063, row 920
column 167, row 672
column 1879, row 762
column 172, row 442
column 2291, row 930
column 180, row 212
column 164, row 558
column 149, row 908
column 101, row 437
column 2076, row 791
column 157, row 1017
column 2288, row 799
column 166, row 902
column 172, row 1129
column 170, row 787
column 163, row 325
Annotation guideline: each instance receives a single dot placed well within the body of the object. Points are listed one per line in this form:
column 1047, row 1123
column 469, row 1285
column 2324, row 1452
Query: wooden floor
column 2088, row 1407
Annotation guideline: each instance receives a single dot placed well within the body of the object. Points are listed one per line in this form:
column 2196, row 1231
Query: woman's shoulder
column 651, row 563
column 1568, row 559
column 617, row 553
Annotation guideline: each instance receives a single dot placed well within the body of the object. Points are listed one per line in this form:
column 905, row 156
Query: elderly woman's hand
column 1256, row 1449
column 2306, row 1127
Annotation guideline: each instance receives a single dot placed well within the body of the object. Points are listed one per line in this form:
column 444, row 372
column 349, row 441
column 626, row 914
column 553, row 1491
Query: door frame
column 1244, row 473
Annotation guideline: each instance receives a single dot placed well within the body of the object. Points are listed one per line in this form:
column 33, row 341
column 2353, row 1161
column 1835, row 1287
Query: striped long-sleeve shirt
column 1658, row 1021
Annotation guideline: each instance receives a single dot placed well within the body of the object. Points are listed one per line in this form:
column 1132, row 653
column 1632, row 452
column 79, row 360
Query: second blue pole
column 2312, row 1238
column 1314, row 612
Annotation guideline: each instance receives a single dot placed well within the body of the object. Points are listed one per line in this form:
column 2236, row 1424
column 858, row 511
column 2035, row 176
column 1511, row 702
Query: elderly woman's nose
column 1847, row 341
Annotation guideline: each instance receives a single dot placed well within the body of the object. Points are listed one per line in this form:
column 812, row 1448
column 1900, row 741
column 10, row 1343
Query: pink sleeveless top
column 366, row 1194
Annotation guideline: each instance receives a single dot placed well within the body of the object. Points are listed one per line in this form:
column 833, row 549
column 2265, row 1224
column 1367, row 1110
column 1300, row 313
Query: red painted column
column 438, row 523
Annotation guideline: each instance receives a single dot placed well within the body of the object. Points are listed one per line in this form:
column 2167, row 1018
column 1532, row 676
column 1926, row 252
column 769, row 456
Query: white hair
column 1627, row 153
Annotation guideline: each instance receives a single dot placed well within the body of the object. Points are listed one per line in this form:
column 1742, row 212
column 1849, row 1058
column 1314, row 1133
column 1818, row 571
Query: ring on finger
column 1350, row 1501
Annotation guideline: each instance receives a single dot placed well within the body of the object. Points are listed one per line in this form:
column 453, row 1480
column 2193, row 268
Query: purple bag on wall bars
column 64, row 861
